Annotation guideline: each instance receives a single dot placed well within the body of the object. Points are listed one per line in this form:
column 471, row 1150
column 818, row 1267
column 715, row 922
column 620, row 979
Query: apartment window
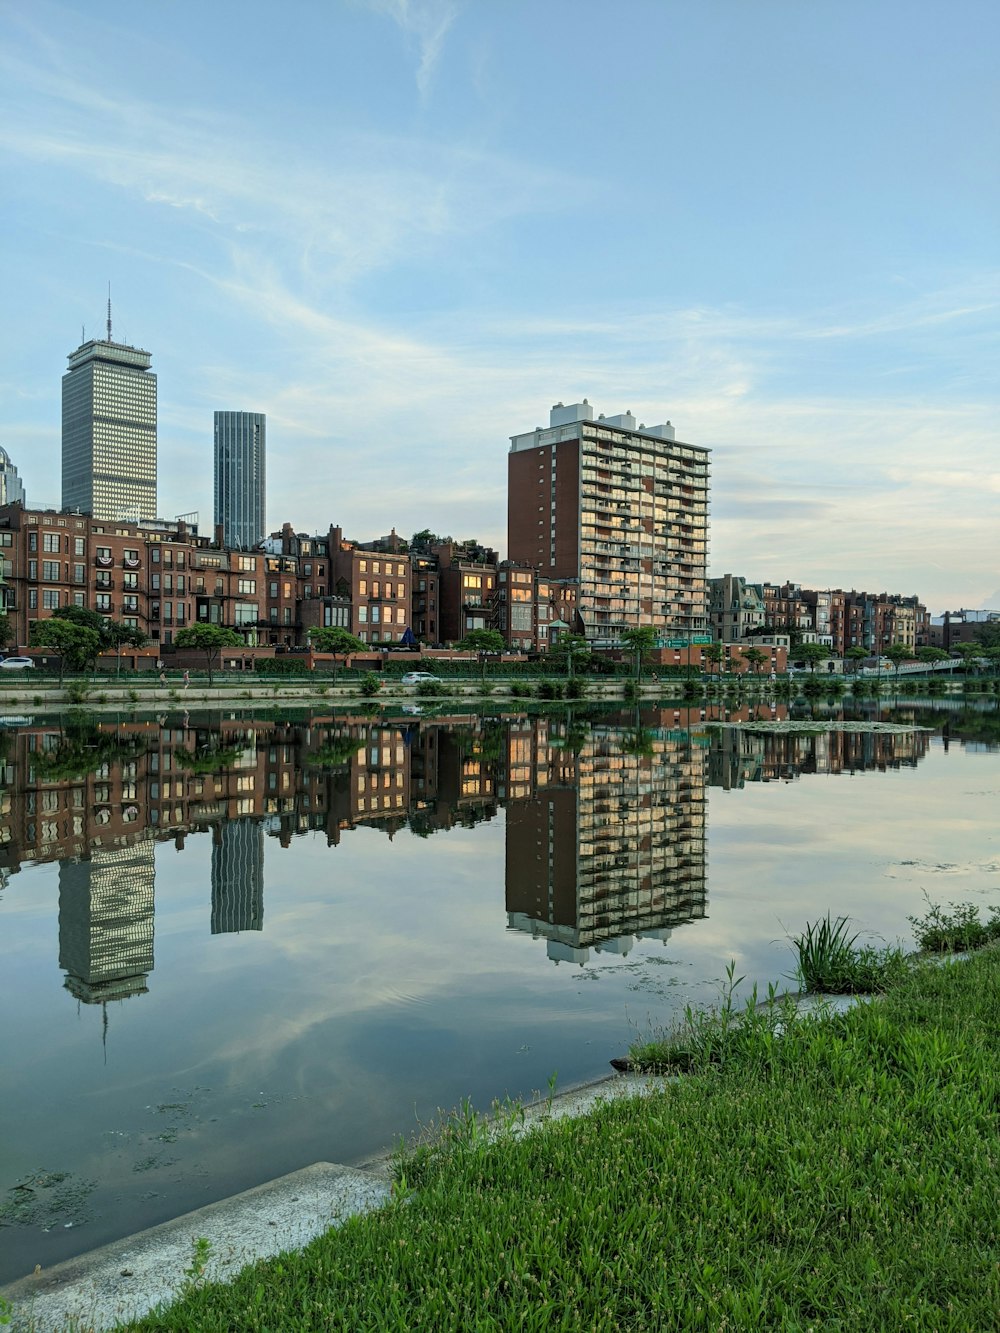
column 50, row 598
column 363, row 587
column 376, row 615
column 248, row 562
column 50, row 542
column 376, row 589
column 307, row 569
column 154, row 582
column 50, row 571
column 180, row 583
column 32, row 541
column 362, row 615
column 307, row 592
column 168, row 583
column 32, row 599
column 79, row 546
column 130, row 603
column 273, row 591
column 399, row 590
column 247, row 585
column 128, row 580
column 79, row 599
column 32, row 569
column 102, row 602
column 376, row 567
column 154, row 555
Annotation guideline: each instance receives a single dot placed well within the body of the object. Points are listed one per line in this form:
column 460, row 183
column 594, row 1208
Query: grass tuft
column 831, row 962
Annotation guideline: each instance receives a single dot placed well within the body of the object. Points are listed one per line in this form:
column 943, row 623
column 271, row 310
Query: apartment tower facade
column 240, row 490
column 109, row 432
column 617, row 509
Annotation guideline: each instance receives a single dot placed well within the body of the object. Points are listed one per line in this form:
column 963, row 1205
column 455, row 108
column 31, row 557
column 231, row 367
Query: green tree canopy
column 570, row 650
column 755, row 657
column 898, row 653
column 76, row 644
column 208, row 639
column 640, row 640
column 988, row 634
column 812, row 654
column 334, row 639
column 483, row 642
column 6, row 631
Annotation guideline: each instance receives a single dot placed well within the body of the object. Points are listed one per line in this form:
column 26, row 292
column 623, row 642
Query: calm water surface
column 232, row 946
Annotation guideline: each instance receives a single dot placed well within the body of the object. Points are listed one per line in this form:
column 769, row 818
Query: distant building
column 735, row 608
column 619, row 508
column 240, row 490
column 106, row 911
column 11, row 486
column 109, row 432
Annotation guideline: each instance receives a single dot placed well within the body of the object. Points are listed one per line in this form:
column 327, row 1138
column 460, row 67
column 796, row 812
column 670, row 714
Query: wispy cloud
column 426, row 24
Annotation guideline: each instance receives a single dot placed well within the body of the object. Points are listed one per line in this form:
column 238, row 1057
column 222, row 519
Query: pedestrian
column 187, row 679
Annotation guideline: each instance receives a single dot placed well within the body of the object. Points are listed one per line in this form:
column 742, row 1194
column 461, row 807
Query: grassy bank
column 839, row 1174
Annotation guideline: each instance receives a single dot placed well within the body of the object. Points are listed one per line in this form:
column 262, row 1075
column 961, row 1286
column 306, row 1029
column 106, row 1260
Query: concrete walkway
column 126, row 1279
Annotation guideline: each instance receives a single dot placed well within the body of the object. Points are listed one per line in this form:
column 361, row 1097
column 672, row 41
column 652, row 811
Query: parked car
column 415, row 677
column 17, row 663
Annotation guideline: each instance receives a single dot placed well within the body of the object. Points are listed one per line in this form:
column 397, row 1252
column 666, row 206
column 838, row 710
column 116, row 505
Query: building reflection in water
column 106, row 910
column 237, row 876
column 605, row 820
column 605, row 836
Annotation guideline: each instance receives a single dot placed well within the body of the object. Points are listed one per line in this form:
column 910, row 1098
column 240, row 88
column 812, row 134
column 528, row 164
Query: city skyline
column 790, row 257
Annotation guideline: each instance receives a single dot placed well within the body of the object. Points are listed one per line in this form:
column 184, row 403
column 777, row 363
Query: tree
column 857, row 655
column 484, row 642
column 336, row 640
column 208, row 639
column 112, row 635
column 969, row 653
column 714, row 653
column 988, row 634
column 898, row 653
column 812, row 654
column 424, row 540
column 6, row 631
column 931, row 655
column 76, row 644
column 571, row 649
column 117, row 635
column 640, row 639
column 756, row 659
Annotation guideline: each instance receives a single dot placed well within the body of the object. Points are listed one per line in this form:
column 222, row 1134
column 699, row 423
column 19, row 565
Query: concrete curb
column 124, row 1280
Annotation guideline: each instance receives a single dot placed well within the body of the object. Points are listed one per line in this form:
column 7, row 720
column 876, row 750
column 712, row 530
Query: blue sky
column 404, row 228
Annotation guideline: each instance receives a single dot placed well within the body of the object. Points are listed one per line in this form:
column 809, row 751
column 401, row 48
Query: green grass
column 831, row 962
column 835, row 1173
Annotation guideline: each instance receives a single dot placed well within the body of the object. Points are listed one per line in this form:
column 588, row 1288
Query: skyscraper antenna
column 109, row 312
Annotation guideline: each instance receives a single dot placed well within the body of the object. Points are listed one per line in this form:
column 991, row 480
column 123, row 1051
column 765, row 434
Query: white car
column 17, row 663
column 416, row 677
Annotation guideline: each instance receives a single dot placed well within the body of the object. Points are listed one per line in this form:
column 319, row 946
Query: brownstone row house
column 160, row 577
column 838, row 619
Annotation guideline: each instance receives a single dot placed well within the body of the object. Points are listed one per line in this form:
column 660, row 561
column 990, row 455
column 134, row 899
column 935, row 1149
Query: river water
column 234, row 945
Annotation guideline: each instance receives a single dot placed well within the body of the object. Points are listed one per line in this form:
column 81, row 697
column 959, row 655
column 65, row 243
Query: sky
column 403, row 229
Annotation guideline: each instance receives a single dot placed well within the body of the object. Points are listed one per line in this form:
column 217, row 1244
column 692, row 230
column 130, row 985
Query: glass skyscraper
column 109, row 432
column 239, row 478
column 11, row 486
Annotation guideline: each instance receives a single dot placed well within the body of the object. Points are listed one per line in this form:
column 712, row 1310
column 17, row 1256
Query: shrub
column 370, row 684
column 429, row 688
column 960, row 929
